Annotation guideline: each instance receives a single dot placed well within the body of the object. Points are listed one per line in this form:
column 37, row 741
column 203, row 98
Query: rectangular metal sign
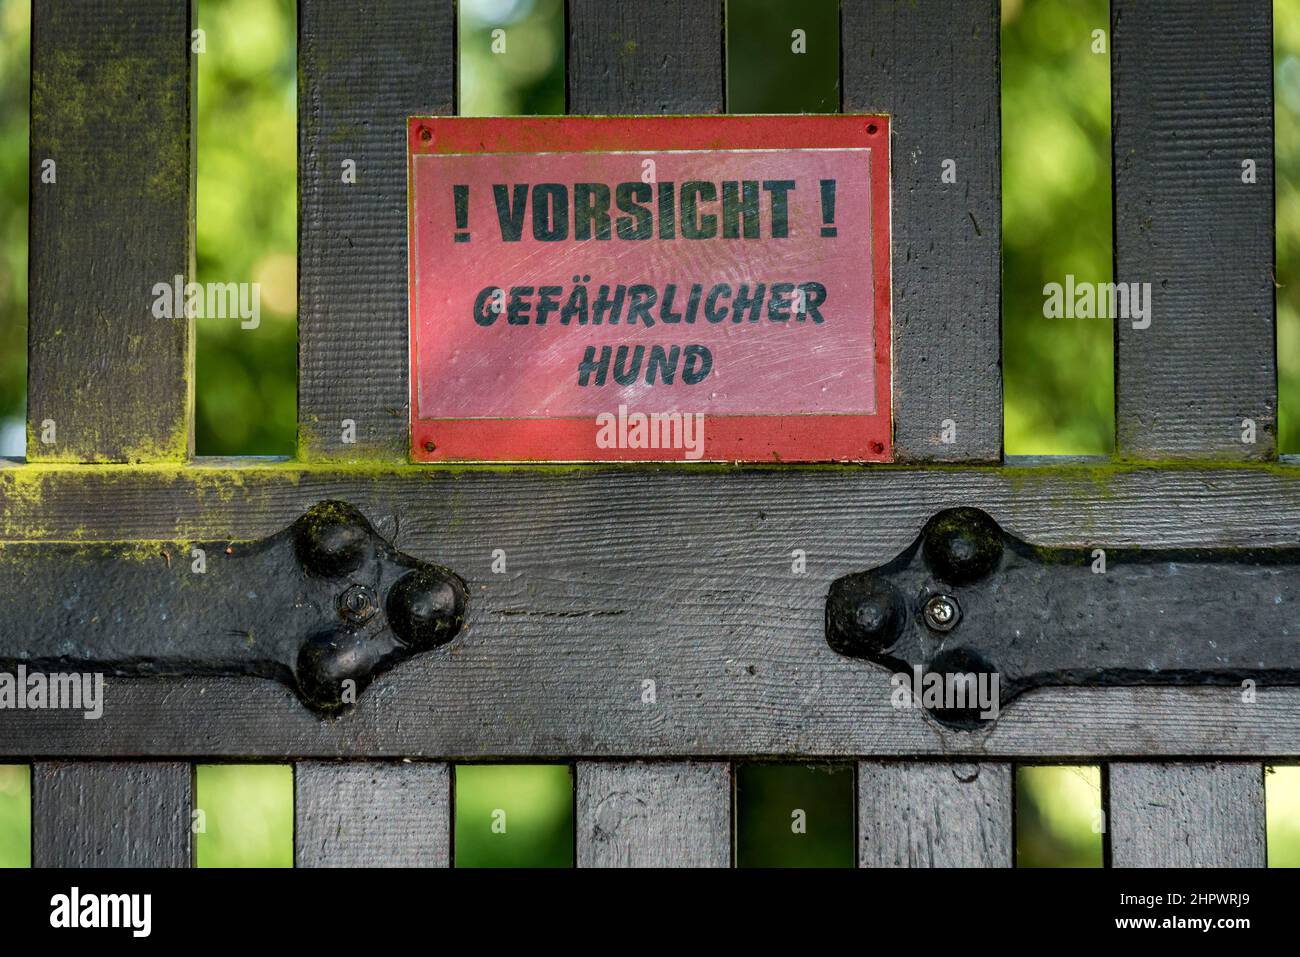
column 661, row 288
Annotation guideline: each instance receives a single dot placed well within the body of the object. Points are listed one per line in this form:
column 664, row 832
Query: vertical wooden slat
column 653, row 815
column 110, row 373
column 645, row 56
column 372, row 814
column 1192, row 101
column 933, row 65
column 362, row 72
column 112, row 814
column 926, row 814
column 112, row 213
column 1187, row 815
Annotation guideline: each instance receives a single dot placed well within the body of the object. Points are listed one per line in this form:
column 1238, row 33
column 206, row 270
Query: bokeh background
column 1058, row 382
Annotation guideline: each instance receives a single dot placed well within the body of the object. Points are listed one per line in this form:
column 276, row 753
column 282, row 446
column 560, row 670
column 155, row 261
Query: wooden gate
column 676, row 574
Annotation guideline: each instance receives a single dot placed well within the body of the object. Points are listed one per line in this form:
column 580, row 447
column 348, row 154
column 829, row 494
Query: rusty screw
column 426, row 135
column 942, row 612
column 358, row 604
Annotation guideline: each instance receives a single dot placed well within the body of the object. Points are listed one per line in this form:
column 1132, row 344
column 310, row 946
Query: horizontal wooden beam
column 684, row 577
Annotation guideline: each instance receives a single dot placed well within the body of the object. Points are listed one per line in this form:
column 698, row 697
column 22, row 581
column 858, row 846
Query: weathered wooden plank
column 372, row 814
column 653, row 815
column 617, row 575
column 112, row 215
column 361, row 74
column 1189, row 117
column 1187, row 815
column 645, row 56
column 934, row 66
column 934, row 815
column 111, row 814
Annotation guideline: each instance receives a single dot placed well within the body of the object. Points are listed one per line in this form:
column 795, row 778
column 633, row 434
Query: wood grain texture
column 933, row 66
column 372, row 814
column 111, row 94
column 1192, row 98
column 653, row 815
column 111, row 815
column 360, row 75
column 1187, row 815
column 645, row 56
column 935, row 815
column 618, row 574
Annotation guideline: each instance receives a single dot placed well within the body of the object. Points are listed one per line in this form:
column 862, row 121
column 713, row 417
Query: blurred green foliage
column 1058, row 377
column 770, row 69
column 246, row 817
column 1058, row 816
column 1057, row 373
column 514, row 815
column 795, row 815
column 246, row 380
column 1282, row 794
column 511, row 57
column 15, row 815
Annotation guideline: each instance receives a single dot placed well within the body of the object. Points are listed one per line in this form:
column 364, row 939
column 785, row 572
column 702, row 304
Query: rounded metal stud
column 426, row 607
column 973, row 666
column 864, row 615
column 332, row 539
column 962, row 545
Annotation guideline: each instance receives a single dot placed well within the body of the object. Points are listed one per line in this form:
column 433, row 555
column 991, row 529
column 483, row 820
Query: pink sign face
column 738, row 288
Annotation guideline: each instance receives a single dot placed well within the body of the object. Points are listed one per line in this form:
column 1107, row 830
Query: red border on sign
column 730, row 438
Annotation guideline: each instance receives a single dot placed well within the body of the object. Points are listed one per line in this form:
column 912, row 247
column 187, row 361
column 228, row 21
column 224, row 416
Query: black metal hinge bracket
column 323, row 606
column 967, row 598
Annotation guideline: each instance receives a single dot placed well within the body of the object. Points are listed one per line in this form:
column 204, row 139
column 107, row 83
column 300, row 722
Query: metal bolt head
column 358, row 604
column 942, row 612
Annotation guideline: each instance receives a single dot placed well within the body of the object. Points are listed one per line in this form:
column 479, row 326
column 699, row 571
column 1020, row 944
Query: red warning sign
column 669, row 288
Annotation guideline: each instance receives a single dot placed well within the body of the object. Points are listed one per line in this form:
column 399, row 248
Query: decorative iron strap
column 323, row 606
column 968, row 611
